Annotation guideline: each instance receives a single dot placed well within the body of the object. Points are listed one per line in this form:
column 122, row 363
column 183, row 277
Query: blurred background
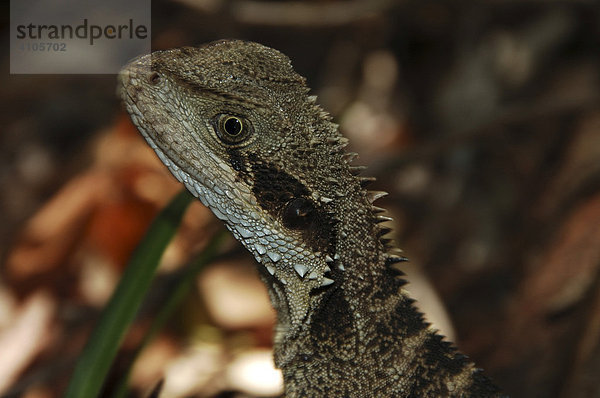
column 482, row 120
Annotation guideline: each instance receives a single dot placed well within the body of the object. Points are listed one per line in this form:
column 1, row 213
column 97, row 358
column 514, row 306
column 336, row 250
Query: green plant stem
column 183, row 287
column 100, row 350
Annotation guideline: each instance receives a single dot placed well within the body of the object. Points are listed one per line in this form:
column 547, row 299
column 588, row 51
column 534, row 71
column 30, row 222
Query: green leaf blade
column 102, row 346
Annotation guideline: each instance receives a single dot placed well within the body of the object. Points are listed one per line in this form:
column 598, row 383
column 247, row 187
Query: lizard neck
column 367, row 321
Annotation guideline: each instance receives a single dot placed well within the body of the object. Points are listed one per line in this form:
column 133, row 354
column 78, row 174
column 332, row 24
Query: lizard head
column 234, row 122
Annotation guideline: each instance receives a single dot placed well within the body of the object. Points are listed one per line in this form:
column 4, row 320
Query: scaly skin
column 234, row 122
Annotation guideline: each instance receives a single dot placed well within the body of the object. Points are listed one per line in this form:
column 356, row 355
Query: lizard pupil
column 298, row 214
column 232, row 130
column 233, row 126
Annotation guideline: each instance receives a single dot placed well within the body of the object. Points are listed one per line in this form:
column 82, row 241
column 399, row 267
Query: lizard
column 237, row 125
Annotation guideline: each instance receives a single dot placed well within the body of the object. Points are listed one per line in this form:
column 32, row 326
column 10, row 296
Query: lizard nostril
column 154, row 78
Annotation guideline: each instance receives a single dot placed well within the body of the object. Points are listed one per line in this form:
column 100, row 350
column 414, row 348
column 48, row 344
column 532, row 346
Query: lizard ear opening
column 232, row 130
column 299, row 213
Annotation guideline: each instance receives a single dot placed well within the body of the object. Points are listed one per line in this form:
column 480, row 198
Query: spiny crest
column 316, row 109
column 337, row 143
column 392, row 259
column 349, row 157
column 374, row 195
column 383, row 231
column 381, row 218
column 356, row 170
column 366, row 181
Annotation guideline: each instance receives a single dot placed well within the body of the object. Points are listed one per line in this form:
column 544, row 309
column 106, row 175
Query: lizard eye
column 231, row 129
